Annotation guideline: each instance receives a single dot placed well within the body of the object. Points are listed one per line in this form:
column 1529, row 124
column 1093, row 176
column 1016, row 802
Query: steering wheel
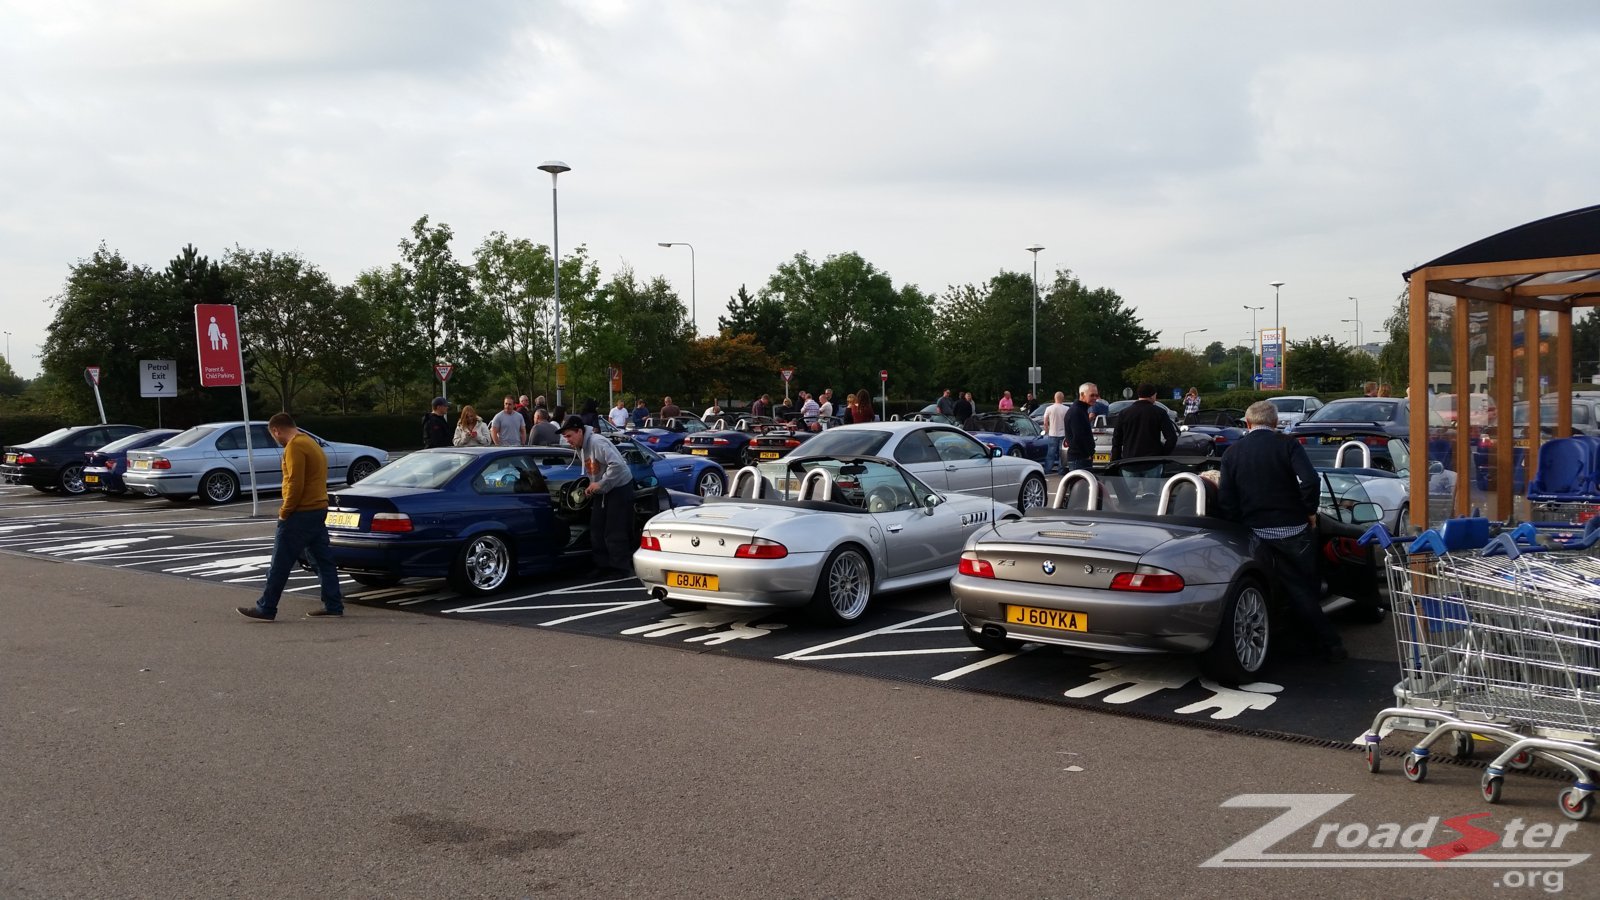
column 574, row 495
column 881, row 499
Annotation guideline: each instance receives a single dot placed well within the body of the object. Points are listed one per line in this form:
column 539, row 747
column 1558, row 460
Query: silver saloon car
column 943, row 457
column 213, row 461
column 857, row 526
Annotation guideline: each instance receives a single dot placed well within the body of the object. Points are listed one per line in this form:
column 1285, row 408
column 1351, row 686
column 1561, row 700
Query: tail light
column 720, row 442
column 391, row 523
column 791, row 443
column 649, row 542
column 971, row 565
column 111, row 465
column 161, row 462
column 1154, row 581
column 26, row 459
column 761, row 548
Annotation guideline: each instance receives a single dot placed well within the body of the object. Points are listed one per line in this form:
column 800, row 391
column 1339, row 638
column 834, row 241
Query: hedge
column 20, row 428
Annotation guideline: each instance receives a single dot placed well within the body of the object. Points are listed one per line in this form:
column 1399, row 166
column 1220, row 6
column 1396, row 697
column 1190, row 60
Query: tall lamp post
column 1277, row 319
column 1033, row 370
column 1186, row 337
column 1255, row 342
column 555, row 168
column 694, row 314
column 8, row 350
column 1360, row 338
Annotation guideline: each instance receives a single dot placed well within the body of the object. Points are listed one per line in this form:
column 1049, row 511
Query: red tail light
column 972, row 565
column 111, row 465
column 160, row 462
column 1302, row 439
column 720, row 442
column 391, row 523
column 791, row 443
column 761, row 548
column 649, row 542
column 1147, row 582
column 26, row 459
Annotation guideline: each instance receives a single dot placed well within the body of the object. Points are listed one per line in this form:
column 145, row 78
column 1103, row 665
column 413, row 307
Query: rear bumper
column 396, row 555
column 788, row 582
column 1183, row 622
column 99, row 478
column 36, row 475
column 161, row 485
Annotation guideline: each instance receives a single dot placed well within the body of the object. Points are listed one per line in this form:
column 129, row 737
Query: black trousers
column 611, row 528
column 1295, row 562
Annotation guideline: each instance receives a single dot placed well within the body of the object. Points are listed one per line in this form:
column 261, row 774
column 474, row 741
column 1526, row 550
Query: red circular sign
column 883, row 374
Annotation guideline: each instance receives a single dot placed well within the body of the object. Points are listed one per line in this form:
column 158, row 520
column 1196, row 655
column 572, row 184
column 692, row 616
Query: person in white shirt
column 825, row 408
column 1055, row 429
column 712, row 413
column 619, row 415
column 809, row 409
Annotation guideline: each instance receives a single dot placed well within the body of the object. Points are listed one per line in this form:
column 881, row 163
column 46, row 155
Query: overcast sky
column 1183, row 154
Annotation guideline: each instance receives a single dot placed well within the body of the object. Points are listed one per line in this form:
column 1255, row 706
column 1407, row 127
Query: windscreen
column 1355, row 411
column 137, row 439
column 1287, row 405
column 853, row 441
column 191, row 437
column 419, row 470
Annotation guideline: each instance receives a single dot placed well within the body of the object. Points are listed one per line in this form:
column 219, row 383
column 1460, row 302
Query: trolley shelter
column 1491, row 347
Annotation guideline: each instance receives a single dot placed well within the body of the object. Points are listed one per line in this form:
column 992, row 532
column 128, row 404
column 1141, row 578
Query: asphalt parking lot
column 168, row 747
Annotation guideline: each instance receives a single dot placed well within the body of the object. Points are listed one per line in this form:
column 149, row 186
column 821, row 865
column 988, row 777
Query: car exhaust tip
column 658, row 593
column 994, row 631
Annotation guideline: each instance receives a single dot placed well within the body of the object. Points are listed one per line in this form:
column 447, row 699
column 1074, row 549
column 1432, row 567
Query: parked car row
column 216, row 461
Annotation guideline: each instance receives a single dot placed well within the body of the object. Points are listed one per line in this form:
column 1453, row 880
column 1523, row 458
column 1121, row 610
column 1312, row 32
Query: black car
column 1389, row 415
column 776, row 442
column 55, row 461
column 728, row 445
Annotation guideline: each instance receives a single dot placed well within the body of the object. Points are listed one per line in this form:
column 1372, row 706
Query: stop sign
column 883, row 374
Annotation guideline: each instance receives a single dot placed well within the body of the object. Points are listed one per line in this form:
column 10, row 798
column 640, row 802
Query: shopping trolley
column 1432, row 625
column 1504, row 644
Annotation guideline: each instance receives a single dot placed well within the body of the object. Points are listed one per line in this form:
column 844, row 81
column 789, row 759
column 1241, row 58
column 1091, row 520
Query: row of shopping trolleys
column 1499, row 639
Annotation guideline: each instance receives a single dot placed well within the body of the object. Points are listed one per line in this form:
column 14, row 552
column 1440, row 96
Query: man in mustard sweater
column 302, row 523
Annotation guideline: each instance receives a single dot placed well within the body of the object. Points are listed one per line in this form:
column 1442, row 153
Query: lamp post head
column 554, row 167
column 1035, row 249
column 663, row 243
column 1275, row 284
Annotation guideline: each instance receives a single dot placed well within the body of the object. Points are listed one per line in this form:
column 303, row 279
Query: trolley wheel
column 1492, row 786
column 1463, row 745
column 1416, row 767
column 1521, row 761
column 1574, row 806
column 1374, row 759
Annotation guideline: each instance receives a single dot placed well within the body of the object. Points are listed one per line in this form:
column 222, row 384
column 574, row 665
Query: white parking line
column 865, row 654
column 802, row 654
column 953, row 674
column 599, row 612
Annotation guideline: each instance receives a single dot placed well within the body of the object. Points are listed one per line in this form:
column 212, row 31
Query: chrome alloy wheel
column 486, row 563
column 1250, row 627
column 709, row 484
column 849, row 585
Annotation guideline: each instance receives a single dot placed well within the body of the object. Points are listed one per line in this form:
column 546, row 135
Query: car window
column 1289, row 405
column 421, row 470
column 1580, row 414
column 915, row 448
column 1399, row 455
column 193, row 436
column 52, row 437
column 510, row 475
column 261, row 437
column 1024, row 426
column 631, row 454
column 954, row 446
column 136, row 440
column 1356, row 411
column 233, row 440
column 1340, row 493
column 90, row 438
column 853, row 441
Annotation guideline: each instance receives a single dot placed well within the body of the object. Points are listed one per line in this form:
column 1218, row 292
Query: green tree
column 513, row 277
column 760, row 317
column 281, row 300
column 985, row 336
column 1089, row 335
column 1322, row 365
column 401, row 364
column 643, row 328
column 1585, row 344
column 847, row 320
column 1167, row 369
column 728, row 367
column 1215, row 353
column 10, row 384
column 342, row 356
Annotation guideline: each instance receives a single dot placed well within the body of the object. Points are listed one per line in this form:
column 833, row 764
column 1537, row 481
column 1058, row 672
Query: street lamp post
column 1360, row 338
column 694, row 309
column 1186, row 336
column 8, row 349
column 1277, row 319
column 555, row 168
column 1033, row 370
column 1255, row 342
column 1357, row 323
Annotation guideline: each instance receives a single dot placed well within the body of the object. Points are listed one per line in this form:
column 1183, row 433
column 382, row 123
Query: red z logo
column 1472, row 839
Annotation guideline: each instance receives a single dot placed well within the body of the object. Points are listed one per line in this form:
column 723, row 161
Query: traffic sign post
column 443, row 371
column 92, row 375
column 883, row 377
column 221, row 350
column 158, row 378
column 788, row 376
column 613, row 385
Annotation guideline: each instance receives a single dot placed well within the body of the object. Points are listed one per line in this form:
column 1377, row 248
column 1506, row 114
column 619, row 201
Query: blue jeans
column 1052, row 453
column 1082, row 462
column 305, row 531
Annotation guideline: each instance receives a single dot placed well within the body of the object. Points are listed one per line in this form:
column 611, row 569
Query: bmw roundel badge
column 694, row 542
column 1049, row 567
column 1088, row 570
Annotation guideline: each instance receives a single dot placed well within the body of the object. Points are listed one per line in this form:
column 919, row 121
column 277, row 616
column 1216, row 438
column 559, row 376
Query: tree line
column 314, row 345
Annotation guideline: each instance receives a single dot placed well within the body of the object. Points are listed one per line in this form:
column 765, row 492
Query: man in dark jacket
column 961, row 410
column 436, row 430
column 1269, row 485
column 1143, row 429
column 1080, row 435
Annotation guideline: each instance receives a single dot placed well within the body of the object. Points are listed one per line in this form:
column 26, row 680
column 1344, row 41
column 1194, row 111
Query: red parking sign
column 216, row 330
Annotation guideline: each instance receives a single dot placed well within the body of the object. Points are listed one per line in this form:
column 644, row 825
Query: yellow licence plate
column 1332, row 439
column 11, row 458
column 1102, row 458
column 691, row 581
column 91, row 479
column 699, row 452
column 343, row 520
column 769, row 454
column 1521, row 444
column 141, row 464
column 1047, row 618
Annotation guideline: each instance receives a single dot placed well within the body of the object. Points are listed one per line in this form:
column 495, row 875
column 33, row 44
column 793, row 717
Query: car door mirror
column 1366, row 513
column 996, row 453
column 1435, row 467
column 929, row 501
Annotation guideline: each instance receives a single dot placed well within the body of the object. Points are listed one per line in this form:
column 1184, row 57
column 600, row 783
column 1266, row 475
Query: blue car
column 1013, row 433
column 674, row 471
column 667, row 435
column 103, row 468
column 478, row 516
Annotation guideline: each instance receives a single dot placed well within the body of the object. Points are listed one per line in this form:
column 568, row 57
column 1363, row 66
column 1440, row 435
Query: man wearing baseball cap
column 610, row 493
column 436, row 430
